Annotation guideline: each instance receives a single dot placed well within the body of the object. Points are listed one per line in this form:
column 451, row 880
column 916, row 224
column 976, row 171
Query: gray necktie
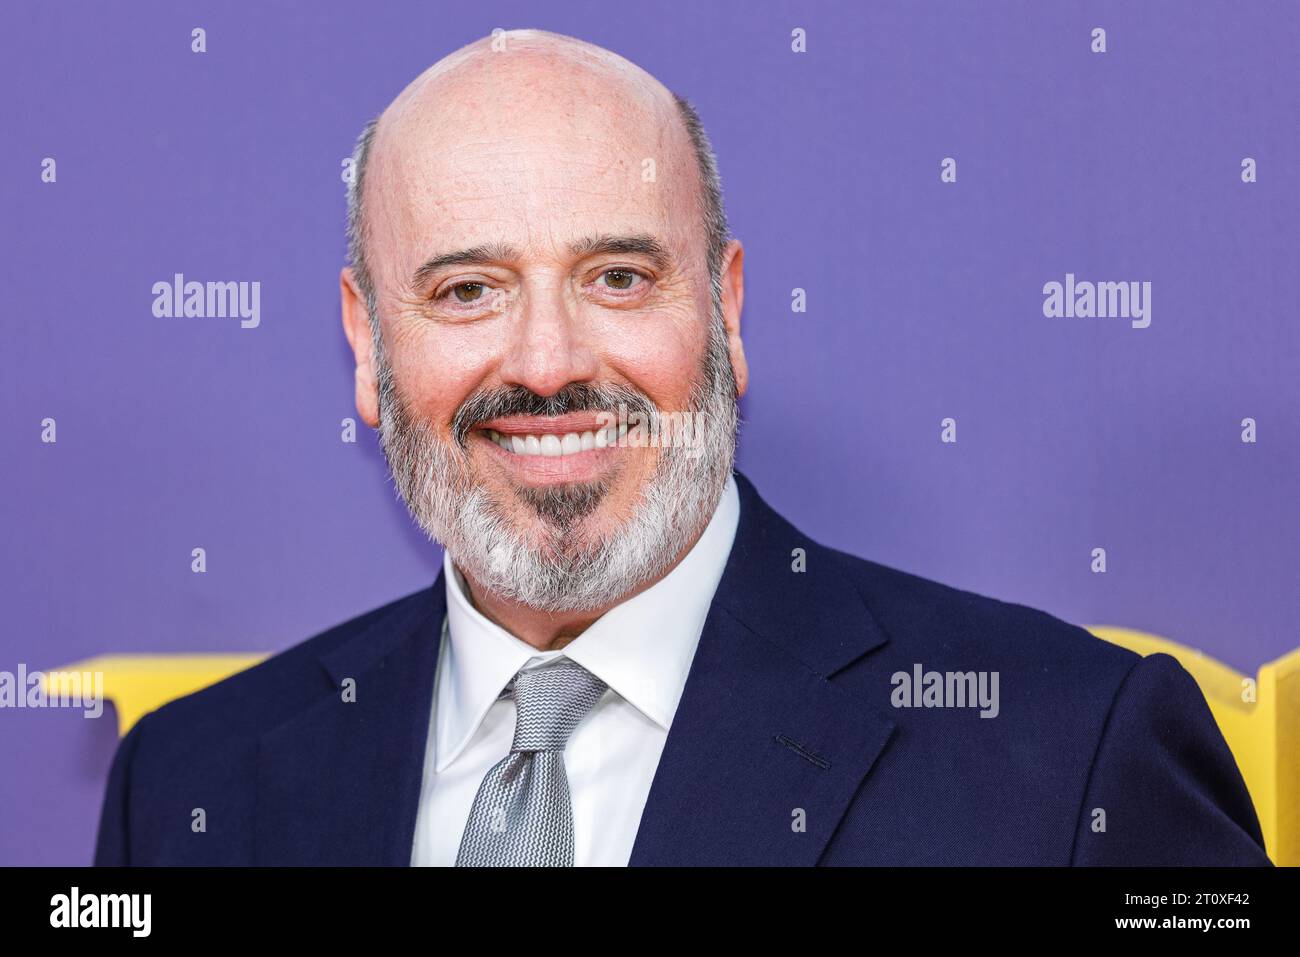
column 522, row 815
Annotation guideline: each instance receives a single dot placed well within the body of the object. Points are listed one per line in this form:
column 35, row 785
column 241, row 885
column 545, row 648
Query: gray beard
column 563, row 568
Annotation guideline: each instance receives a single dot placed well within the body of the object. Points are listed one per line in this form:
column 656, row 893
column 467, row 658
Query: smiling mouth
column 554, row 445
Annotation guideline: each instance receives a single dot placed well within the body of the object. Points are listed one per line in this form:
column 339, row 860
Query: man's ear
column 733, row 298
column 356, row 326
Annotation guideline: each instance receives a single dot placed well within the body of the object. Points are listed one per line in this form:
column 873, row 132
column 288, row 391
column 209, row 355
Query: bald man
column 629, row 657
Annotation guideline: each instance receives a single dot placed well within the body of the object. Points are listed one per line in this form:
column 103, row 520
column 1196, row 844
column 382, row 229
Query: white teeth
column 551, row 445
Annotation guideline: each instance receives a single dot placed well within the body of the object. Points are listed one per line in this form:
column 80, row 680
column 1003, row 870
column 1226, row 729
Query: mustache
column 488, row 404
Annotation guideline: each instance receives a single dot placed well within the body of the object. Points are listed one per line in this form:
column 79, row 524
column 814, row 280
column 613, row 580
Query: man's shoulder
column 256, row 699
column 920, row 614
column 205, row 749
column 841, row 610
column 1082, row 724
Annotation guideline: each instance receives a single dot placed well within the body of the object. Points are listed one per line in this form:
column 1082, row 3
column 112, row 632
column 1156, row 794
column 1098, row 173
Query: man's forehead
column 522, row 152
column 528, row 182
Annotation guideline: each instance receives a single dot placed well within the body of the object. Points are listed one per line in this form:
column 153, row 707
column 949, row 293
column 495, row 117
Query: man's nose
column 548, row 346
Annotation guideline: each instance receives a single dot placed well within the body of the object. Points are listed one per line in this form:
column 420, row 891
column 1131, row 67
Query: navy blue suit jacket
column 786, row 747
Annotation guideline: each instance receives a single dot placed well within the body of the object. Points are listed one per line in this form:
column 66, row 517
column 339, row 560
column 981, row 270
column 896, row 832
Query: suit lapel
column 339, row 782
column 765, row 753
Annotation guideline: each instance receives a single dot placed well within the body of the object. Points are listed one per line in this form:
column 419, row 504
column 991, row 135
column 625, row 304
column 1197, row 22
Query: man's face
column 539, row 260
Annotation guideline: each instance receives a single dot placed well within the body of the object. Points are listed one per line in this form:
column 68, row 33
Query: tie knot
column 550, row 703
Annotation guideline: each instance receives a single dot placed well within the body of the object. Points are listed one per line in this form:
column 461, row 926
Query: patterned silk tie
column 522, row 815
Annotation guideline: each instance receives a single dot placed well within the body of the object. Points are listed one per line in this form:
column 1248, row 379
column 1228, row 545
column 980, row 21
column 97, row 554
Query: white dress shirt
column 641, row 648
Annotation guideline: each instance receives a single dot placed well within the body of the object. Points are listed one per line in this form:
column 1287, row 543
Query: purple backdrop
column 924, row 301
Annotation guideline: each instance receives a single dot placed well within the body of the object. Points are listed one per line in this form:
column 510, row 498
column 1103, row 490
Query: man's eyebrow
column 480, row 255
column 641, row 243
column 486, row 253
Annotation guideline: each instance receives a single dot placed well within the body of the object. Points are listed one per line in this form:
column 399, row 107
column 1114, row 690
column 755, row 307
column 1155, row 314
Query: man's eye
column 621, row 279
column 467, row 291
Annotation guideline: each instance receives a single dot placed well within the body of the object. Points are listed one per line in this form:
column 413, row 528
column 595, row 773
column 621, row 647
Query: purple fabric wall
column 924, row 301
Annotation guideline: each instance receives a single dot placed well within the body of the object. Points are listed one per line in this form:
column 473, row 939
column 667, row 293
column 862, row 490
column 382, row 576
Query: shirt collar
column 642, row 648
